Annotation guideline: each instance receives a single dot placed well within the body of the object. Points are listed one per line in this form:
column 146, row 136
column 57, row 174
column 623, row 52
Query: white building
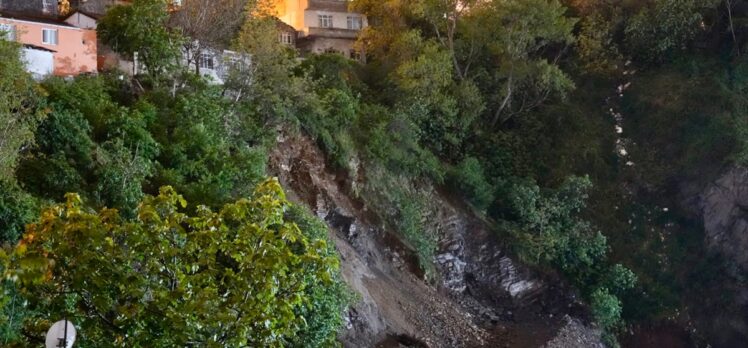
column 39, row 61
column 323, row 25
column 215, row 65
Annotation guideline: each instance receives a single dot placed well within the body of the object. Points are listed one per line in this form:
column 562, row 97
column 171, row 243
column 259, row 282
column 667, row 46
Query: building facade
column 323, row 26
column 73, row 49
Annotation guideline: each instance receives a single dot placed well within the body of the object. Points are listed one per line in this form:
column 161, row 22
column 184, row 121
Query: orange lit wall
column 75, row 51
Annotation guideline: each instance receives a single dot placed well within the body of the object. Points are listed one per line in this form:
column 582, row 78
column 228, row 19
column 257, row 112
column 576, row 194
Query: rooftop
column 34, row 18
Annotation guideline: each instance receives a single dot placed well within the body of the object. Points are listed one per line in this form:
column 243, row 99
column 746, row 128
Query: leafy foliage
column 17, row 208
column 323, row 313
column 234, row 277
column 20, row 109
column 667, row 26
column 200, row 154
column 92, row 145
column 141, row 29
column 468, row 177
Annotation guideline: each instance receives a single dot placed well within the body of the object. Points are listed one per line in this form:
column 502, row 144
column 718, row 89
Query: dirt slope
column 482, row 297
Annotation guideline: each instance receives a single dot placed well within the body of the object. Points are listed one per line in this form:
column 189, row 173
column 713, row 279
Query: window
column 355, row 23
column 355, row 55
column 8, row 32
column 206, row 61
column 286, row 38
column 49, row 36
column 325, row 21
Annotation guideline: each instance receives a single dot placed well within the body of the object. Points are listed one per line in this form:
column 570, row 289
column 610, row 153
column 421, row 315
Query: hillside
column 417, row 173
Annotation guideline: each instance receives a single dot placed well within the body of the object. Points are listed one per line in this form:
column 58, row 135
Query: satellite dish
column 61, row 335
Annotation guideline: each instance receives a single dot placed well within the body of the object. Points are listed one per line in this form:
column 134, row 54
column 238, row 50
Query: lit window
column 206, row 61
column 355, row 23
column 49, row 36
column 286, row 38
column 325, row 21
column 8, row 32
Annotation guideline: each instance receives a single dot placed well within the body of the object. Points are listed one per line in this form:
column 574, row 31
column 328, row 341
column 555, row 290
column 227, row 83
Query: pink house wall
column 75, row 52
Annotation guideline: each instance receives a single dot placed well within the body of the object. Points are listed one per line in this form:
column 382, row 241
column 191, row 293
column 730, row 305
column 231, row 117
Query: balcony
column 328, row 5
column 337, row 33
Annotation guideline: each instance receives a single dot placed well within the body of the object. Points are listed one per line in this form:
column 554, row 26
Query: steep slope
column 482, row 297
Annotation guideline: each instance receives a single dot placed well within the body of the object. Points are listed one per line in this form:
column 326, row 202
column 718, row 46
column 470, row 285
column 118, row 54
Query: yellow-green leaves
column 236, row 277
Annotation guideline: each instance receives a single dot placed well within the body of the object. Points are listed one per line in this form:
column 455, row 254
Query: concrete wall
column 39, row 63
column 75, row 51
column 319, row 45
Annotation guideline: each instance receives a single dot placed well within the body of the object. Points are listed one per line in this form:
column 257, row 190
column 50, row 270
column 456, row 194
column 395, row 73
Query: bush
column 17, row 208
column 469, row 179
column 391, row 139
column 409, row 223
column 324, row 312
column 606, row 308
column 656, row 32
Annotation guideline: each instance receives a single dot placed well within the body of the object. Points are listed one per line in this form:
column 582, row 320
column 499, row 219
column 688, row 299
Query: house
column 106, row 58
column 73, row 48
column 287, row 34
column 216, row 64
column 322, row 26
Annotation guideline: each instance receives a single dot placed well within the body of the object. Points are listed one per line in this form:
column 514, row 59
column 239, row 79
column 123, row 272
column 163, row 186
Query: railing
column 334, row 33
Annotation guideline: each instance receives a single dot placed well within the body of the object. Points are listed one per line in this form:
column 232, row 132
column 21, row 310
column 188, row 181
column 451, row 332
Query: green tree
column 519, row 75
column 266, row 80
column 237, row 277
column 550, row 229
column 92, row 145
column 665, row 27
column 141, row 29
column 606, row 308
column 199, row 155
column 17, row 208
column 19, row 108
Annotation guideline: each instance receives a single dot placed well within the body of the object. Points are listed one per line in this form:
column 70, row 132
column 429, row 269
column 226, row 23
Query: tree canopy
column 20, row 107
column 141, row 29
column 233, row 277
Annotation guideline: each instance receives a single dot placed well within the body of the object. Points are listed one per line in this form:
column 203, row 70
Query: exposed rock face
column 724, row 207
column 575, row 334
column 483, row 298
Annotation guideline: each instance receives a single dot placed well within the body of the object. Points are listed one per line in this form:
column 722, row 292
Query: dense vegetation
column 96, row 176
column 503, row 102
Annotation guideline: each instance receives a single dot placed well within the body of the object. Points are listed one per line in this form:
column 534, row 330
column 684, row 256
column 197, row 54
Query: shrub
column 324, row 312
column 469, row 179
column 606, row 308
column 17, row 208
